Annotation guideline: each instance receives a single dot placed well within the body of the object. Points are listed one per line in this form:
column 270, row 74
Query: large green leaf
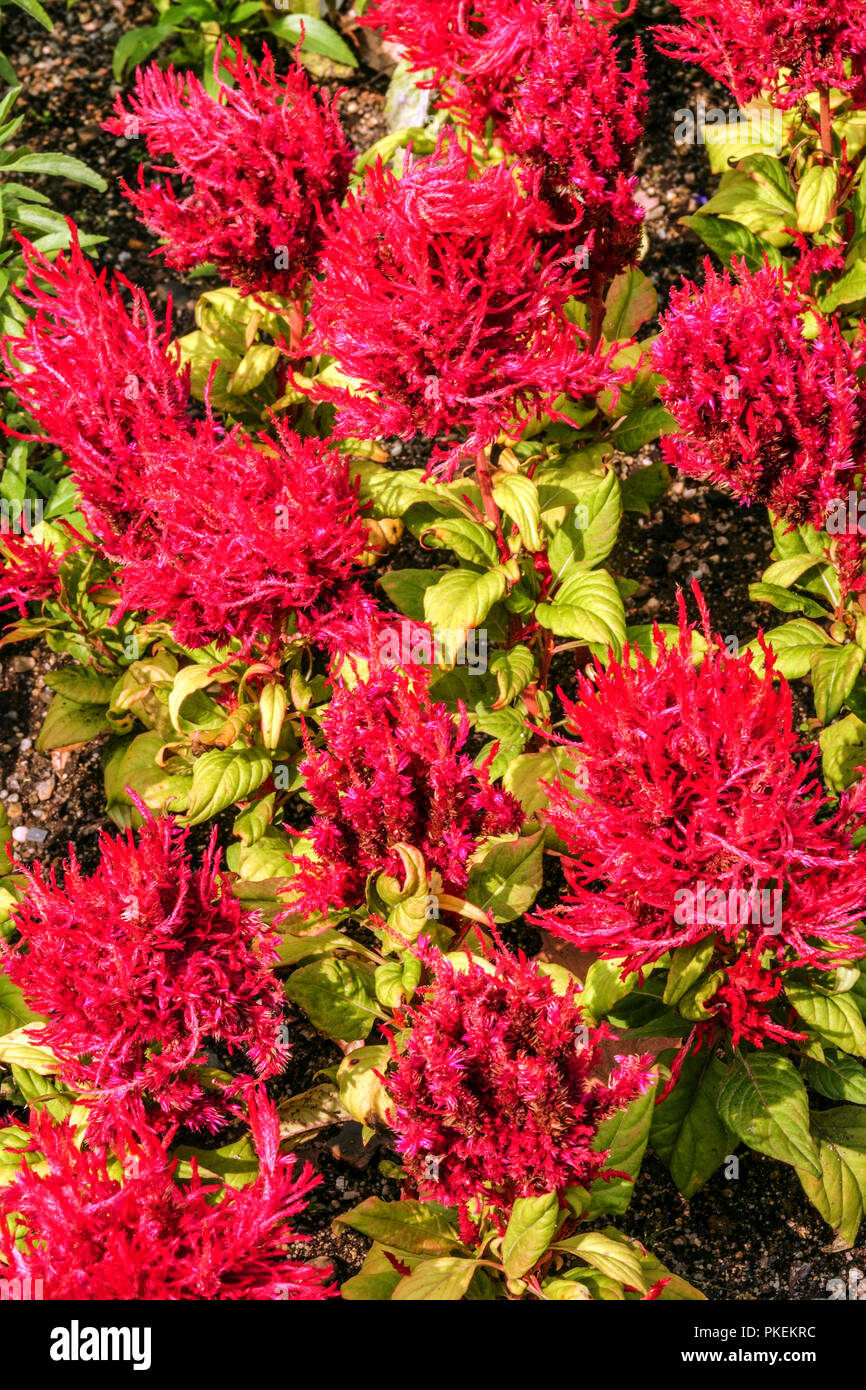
column 223, row 776
column 459, row 601
column 416, row 1228
column 441, row 1280
column 318, row 37
column 630, row 301
column 838, row 1077
column 507, row 877
column 587, row 607
column 763, row 1100
column 835, row 1017
column 530, row 1230
column 839, row 1188
column 624, row 1134
column 687, row 1132
column 336, row 996
column 834, row 675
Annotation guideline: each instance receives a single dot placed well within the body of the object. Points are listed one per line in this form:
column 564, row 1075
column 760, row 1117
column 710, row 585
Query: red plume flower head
column 137, row 967
column 493, row 1086
column 265, row 161
column 699, row 817
column 440, row 299
column 79, row 1231
column 774, row 411
column 391, row 772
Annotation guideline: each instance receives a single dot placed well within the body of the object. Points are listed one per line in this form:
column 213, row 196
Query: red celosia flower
column 477, row 49
column 784, row 48
column 98, row 378
column 699, row 815
column 438, row 298
column 249, row 533
column 29, row 572
column 778, row 416
column 391, row 772
column 137, row 966
column 88, row 1234
column 492, row 1090
column 265, row 161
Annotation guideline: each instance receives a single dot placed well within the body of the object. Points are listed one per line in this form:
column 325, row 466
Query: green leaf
column 645, row 486
column 375, row 1282
column 839, row 1190
column 397, row 980
column 135, row 45
column 14, row 1010
column 763, row 1100
column 413, row 1228
column 336, row 996
column 834, row 1017
column 641, row 427
column 604, row 986
column 223, row 776
column 506, row 878
column 834, row 675
column 589, row 530
column 442, row 1280
column 468, row 539
column 517, row 495
column 838, row 1077
column 530, row 1230
column 305, row 1114
column 630, row 301
column 513, row 670
column 587, row 607
column 785, row 601
column 60, row 165
column 848, row 289
column 523, row 778
column 611, row 1253
column 81, row 684
column 319, row 37
column 687, row 1132
column 361, row 1090
column 69, row 723
column 727, row 239
column 688, row 964
column 237, row 1164
column 815, row 197
column 461, row 600
column 787, row 571
column 793, row 645
column 843, row 750
column 35, row 10
column 625, row 1134
column 406, row 590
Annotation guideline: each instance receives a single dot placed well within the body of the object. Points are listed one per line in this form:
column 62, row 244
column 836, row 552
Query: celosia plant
column 699, row 825
column 392, row 771
column 98, row 377
column 137, row 967
column 443, row 296
column 492, row 1085
column 266, row 160
column 768, row 405
column 78, row 1230
column 781, row 49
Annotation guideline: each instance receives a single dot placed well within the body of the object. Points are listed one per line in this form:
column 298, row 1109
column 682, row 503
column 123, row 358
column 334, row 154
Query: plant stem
column 826, row 122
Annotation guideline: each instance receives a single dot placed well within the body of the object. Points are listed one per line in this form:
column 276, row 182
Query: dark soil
column 753, row 1237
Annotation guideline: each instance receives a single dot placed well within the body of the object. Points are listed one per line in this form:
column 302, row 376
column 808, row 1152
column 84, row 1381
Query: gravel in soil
column 750, row 1237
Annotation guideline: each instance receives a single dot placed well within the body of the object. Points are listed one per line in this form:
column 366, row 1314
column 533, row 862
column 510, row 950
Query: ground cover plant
column 421, row 837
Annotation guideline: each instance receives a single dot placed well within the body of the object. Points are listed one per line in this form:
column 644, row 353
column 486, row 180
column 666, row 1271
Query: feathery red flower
column 440, row 298
column 98, row 377
column 783, row 48
column 137, row 966
column 392, row 772
column 85, row 1233
column 493, row 1089
column 778, row 416
column 697, row 797
column 29, row 572
column 477, row 49
column 266, row 161
column 250, row 533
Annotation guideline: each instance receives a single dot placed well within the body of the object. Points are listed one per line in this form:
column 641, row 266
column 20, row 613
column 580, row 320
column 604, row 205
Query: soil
column 750, row 1237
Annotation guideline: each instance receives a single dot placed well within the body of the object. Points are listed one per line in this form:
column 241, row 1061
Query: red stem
column 491, row 511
